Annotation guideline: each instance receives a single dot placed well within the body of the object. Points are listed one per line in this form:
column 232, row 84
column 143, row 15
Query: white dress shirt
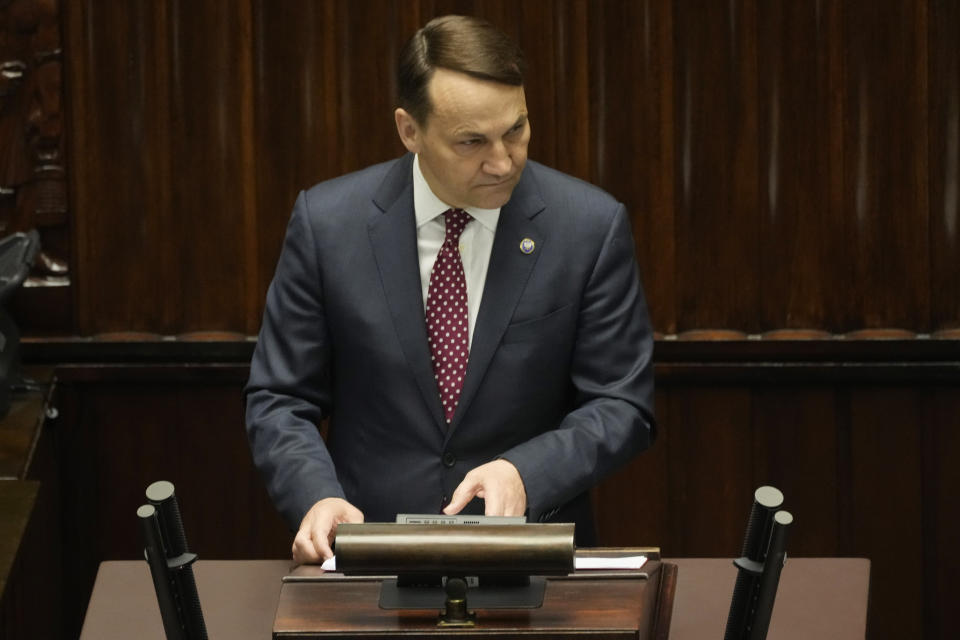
column 476, row 241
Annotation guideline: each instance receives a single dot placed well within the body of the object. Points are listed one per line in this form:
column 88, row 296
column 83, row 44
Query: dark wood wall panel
column 118, row 161
column 627, row 503
column 632, row 140
column 132, row 434
column 162, row 146
column 885, row 163
column 786, row 164
column 941, row 528
column 795, row 449
column 717, row 231
column 866, row 463
column 887, row 507
column 367, row 51
column 213, row 193
column 709, row 466
column 868, row 470
column 299, row 141
column 944, row 136
column 122, row 428
column 801, row 241
column 569, row 50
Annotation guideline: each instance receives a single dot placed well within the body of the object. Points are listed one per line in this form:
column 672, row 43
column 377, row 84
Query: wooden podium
column 599, row 604
column 822, row 598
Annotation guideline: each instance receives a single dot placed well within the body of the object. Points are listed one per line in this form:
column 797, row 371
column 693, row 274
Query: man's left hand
column 498, row 483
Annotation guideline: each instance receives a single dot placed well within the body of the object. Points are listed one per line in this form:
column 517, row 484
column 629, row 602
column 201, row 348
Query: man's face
column 473, row 146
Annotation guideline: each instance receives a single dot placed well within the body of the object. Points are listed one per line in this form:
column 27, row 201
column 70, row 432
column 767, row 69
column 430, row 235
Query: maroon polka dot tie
column 447, row 319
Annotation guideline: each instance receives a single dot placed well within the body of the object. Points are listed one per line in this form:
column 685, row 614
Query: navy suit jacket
column 559, row 379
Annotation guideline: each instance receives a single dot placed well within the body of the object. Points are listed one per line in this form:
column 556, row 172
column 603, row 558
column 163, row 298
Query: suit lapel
column 393, row 236
column 507, row 277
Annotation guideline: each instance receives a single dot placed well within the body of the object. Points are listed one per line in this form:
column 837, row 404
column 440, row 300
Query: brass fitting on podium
column 455, row 613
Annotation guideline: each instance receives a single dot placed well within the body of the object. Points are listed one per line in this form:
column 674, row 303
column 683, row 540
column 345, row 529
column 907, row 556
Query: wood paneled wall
column 787, row 164
column 864, row 451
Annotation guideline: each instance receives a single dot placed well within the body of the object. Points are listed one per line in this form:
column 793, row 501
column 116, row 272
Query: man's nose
column 499, row 162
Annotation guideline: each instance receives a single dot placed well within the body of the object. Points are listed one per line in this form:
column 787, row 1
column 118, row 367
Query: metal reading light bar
column 506, row 559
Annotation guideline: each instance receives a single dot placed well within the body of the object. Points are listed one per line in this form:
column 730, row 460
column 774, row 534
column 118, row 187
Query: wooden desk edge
column 664, row 613
column 655, row 621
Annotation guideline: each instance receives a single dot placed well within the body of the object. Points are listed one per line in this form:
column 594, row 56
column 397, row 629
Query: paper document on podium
column 623, row 562
column 579, row 564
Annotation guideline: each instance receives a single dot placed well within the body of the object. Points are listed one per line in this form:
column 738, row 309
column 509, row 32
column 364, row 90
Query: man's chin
column 491, row 204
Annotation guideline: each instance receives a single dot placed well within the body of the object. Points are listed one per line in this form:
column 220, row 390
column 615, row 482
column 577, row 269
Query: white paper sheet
column 625, row 562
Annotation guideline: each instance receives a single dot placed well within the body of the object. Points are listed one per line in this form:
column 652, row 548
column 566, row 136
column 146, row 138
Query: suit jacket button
column 449, row 459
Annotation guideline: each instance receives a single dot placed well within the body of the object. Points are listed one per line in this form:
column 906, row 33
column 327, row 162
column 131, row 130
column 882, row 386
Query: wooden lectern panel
column 611, row 605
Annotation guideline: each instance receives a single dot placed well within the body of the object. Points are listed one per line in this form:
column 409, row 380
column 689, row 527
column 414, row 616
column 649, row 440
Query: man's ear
column 408, row 129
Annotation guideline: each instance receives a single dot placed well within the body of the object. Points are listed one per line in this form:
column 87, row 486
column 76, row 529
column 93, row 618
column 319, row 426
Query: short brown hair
column 458, row 43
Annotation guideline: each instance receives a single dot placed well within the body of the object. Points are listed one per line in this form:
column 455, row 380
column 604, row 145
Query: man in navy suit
column 557, row 384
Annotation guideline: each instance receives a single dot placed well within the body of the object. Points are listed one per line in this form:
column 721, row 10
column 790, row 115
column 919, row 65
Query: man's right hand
column 317, row 529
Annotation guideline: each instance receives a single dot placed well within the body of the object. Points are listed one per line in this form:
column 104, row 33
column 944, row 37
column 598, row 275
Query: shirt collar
column 427, row 206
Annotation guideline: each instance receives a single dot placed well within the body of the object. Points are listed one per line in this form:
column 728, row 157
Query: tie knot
column 456, row 220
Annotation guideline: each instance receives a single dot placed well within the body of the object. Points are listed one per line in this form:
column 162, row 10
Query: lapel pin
column 527, row 246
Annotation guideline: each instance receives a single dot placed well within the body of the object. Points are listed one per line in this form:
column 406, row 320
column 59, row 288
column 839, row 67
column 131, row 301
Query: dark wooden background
column 792, row 170
column 787, row 163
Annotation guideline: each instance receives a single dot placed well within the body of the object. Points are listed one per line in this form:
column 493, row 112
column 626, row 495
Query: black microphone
column 770, row 579
column 179, row 574
column 766, row 500
column 162, row 582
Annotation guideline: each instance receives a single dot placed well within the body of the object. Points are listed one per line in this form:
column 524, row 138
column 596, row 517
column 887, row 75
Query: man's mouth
column 497, row 184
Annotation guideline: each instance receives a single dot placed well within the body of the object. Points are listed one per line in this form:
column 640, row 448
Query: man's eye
column 470, row 143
